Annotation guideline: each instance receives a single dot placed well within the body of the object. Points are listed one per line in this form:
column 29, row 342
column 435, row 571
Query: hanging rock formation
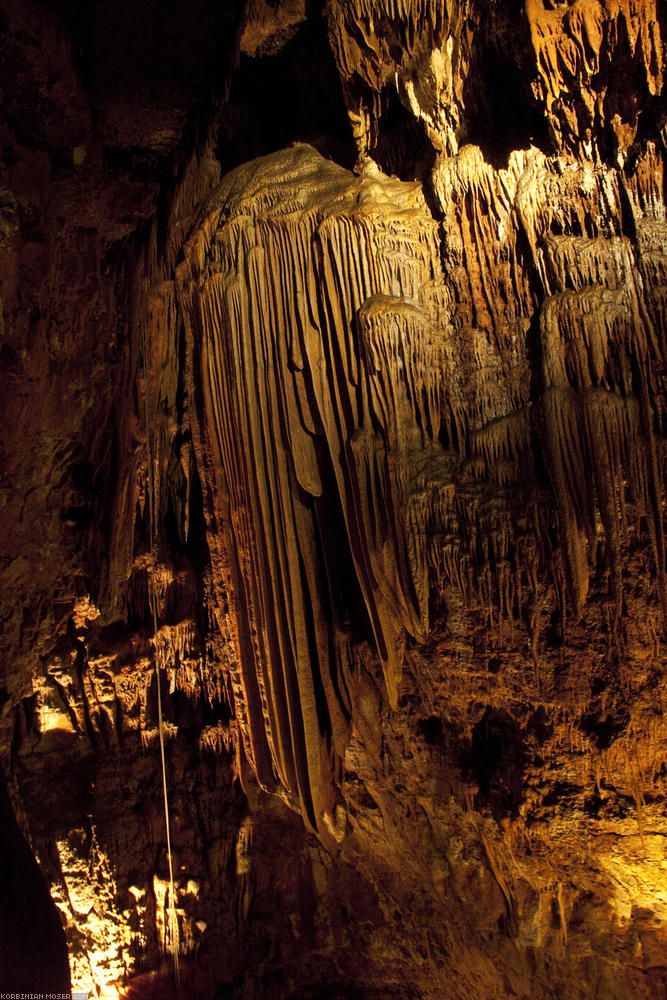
column 379, row 289
column 314, row 301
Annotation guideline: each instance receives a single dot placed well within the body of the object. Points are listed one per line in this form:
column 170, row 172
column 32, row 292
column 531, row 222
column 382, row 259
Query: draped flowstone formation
column 365, row 438
column 343, row 326
column 315, row 305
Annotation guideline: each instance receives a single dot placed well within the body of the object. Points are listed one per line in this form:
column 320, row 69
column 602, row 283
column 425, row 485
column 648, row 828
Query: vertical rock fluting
column 516, row 235
column 342, row 379
column 314, row 303
column 519, row 474
column 424, row 421
column 578, row 73
column 544, row 238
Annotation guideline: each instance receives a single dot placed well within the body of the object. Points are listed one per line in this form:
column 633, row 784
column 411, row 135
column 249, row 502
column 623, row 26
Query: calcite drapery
column 565, row 79
column 497, row 451
column 344, row 388
column 314, row 299
column 545, row 236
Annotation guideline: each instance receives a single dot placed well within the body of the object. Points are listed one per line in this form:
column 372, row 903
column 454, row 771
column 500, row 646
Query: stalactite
column 332, row 381
column 366, row 40
column 405, row 473
column 593, row 422
column 320, row 366
column 569, row 42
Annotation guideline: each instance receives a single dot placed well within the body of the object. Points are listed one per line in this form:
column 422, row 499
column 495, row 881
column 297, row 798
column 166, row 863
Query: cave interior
column 332, row 499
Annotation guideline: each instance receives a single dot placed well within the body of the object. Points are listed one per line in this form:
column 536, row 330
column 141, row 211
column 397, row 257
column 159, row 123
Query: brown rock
column 386, row 449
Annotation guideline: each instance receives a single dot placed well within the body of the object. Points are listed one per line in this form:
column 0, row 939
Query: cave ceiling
column 332, row 499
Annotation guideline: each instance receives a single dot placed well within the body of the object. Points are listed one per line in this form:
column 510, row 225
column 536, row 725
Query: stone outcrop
column 386, row 438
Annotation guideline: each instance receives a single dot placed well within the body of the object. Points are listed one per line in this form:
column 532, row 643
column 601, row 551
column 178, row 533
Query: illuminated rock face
column 408, row 458
column 315, row 303
column 573, row 71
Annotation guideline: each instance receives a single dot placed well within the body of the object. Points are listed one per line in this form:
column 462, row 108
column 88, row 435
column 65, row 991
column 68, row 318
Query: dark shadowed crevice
column 501, row 114
column 34, row 951
column 293, row 95
column 497, row 761
column 403, row 148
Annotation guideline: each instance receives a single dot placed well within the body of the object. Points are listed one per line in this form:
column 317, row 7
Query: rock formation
column 338, row 330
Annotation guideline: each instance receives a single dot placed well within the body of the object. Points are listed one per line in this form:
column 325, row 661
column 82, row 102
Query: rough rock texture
column 357, row 312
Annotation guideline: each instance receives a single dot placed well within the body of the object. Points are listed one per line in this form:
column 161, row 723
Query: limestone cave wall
column 339, row 327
